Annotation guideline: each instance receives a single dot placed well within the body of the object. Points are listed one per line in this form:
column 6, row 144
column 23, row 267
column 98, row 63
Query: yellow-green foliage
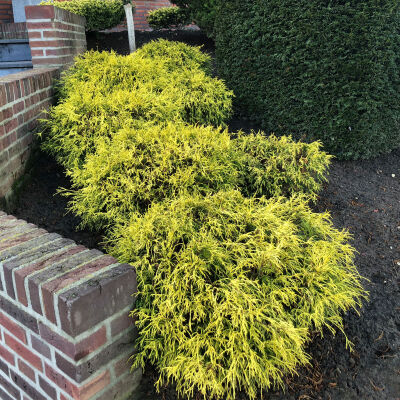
column 103, row 92
column 230, row 288
column 99, row 14
column 280, row 166
column 148, row 164
column 175, row 55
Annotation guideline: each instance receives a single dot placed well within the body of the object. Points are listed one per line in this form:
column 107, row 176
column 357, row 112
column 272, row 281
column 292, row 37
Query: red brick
column 39, row 12
column 61, row 381
column 121, row 323
column 23, row 352
column 13, row 328
column 75, row 351
column 96, row 385
column 6, row 355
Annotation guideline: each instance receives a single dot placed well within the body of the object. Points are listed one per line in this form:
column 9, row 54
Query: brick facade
column 65, row 332
column 56, row 36
column 23, row 96
column 6, row 11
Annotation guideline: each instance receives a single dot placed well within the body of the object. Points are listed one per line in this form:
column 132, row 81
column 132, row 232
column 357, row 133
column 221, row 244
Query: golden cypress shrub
column 230, row 288
column 176, row 54
column 147, row 164
column 275, row 166
column 104, row 92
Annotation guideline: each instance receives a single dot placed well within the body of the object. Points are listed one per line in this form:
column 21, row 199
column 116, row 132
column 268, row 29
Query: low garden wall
column 23, row 97
column 56, row 36
column 64, row 324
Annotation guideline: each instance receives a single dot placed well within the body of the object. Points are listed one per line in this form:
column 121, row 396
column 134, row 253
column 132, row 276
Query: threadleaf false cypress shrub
column 319, row 69
column 104, row 92
column 229, row 288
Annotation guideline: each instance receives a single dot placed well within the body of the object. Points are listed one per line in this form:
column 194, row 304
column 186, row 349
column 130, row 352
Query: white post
column 131, row 27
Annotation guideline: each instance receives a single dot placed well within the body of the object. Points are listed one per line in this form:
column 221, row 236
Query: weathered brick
column 40, row 236
column 87, row 368
column 26, row 387
column 4, row 395
column 121, row 323
column 23, row 352
column 9, row 388
column 47, row 388
column 54, row 242
column 60, row 380
column 57, row 269
column 91, row 302
column 51, row 287
column 40, row 347
column 124, row 388
column 18, row 314
column 75, row 351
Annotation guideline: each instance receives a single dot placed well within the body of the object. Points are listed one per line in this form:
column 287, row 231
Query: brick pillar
column 56, row 36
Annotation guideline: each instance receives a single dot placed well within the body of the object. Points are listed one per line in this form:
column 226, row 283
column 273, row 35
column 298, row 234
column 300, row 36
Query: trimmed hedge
column 99, row 14
column 326, row 70
column 230, row 289
column 168, row 17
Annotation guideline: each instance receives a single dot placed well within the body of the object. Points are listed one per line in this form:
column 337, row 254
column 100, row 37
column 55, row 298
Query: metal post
column 131, row 27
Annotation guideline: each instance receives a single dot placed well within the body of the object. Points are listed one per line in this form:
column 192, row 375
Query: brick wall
column 22, row 98
column 13, row 31
column 56, row 36
column 6, row 11
column 65, row 332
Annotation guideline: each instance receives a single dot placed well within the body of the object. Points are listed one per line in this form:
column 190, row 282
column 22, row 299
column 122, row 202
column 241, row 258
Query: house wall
column 6, row 12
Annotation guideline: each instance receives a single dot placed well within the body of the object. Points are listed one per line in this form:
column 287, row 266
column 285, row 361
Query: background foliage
column 327, row 70
column 99, row 14
column 202, row 12
column 168, row 17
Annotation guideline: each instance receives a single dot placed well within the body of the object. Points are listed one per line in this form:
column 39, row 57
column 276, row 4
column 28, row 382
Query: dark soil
column 363, row 197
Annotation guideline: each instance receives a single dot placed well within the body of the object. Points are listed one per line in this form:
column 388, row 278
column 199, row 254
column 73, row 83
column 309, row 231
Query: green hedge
column 202, row 12
column 327, row 70
column 99, row 14
column 168, row 17
column 231, row 289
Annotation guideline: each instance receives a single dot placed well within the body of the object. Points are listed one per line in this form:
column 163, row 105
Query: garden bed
column 362, row 196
